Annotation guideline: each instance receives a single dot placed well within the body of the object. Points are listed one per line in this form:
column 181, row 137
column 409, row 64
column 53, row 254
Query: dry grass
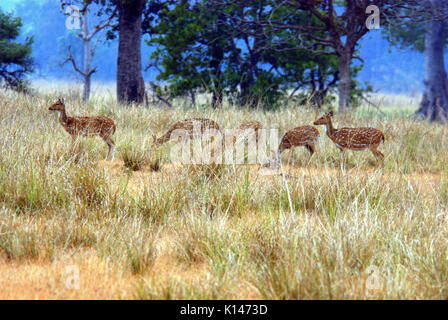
column 169, row 231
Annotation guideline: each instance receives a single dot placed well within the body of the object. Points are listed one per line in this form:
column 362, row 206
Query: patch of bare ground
column 43, row 279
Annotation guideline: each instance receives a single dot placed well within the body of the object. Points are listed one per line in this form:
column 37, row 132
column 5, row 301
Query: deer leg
column 311, row 148
column 111, row 144
column 381, row 156
column 291, row 157
column 278, row 159
column 378, row 155
column 74, row 139
column 343, row 156
column 375, row 153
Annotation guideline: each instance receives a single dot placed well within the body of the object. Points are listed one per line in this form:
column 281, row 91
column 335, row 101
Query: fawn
column 191, row 126
column 352, row 138
column 103, row 127
column 306, row 136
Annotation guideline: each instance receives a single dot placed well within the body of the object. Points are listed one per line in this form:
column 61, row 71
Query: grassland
column 193, row 232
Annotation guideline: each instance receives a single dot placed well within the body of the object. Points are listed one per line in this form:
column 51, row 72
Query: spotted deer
column 352, row 138
column 193, row 127
column 101, row 126
column 306, row 136
column 252, row 125
column 242, row 132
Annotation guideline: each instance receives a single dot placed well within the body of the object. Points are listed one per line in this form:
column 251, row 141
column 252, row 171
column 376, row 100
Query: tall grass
column 219, row 231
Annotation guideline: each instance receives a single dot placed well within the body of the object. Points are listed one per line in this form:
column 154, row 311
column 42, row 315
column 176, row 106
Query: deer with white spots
column 306, row 136
column 252, row 125
column 353, row 138
column 193, row 127
column 244, row 132
column 101, row 126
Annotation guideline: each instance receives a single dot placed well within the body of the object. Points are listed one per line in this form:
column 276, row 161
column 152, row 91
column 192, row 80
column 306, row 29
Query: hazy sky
column 7, row 5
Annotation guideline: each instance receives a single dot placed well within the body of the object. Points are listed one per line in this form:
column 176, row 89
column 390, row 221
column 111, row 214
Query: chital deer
column 352, row 138
column 241, row 132
column 306, row 136
column 103, row 127
column 252, row 125
column 193, row 127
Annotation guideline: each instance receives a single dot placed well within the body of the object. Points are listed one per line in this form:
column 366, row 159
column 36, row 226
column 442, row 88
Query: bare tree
column 87, row 36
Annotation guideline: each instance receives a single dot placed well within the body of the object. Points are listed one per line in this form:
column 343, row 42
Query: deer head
column 156, row 141
column 325, row 119
column 58, row 105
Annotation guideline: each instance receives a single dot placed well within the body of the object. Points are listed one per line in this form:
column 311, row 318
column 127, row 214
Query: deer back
column 255, row 125
column 357, row 138
column 192, row 127
column 252, row 125
column 300, row 136
column 100, row 125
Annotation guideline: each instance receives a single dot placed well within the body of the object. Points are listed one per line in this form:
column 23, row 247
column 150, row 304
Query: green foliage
column 358, row 91
column 200, row 48
column 408, row 28
column 188, row 50
column 15, row 58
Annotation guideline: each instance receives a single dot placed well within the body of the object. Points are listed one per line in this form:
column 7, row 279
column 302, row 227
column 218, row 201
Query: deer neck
column 159, row 141
column 330, row 129
column 162, row 139
column 62, row 117
column 166, row 137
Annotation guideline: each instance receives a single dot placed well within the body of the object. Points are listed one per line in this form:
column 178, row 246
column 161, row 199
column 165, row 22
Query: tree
column 334, row 25
column 319, row 75
column 434, row 104
column 196, row 51
column 204, row 47
column 130, row 85
column 188, row 52
column 86, row 36
column 422, row 26
column 252, row 76
column 128, row 25
column 302, row 69
column 15, row 58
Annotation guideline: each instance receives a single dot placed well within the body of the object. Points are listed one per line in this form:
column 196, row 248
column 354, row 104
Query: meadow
column 76, row 226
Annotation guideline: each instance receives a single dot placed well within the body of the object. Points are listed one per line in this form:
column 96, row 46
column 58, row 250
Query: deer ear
column 330, row 113
column 62, row 100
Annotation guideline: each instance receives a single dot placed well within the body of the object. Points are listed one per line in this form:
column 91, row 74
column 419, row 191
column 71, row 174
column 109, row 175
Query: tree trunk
column 217, row 57
column 86, row 92
column 87, row 60
column 434, row 104
column 193, row 98
column 216, row 99
column 130, row 85
column 344, row 81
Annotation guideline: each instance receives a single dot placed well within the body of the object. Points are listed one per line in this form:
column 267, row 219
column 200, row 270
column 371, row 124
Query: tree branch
column 104, row 24
column 72, row 60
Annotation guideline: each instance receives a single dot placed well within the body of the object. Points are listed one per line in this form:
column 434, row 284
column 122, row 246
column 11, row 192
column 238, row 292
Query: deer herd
column 307, row 136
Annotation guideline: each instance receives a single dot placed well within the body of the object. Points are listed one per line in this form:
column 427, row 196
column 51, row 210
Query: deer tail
column 383, row 137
